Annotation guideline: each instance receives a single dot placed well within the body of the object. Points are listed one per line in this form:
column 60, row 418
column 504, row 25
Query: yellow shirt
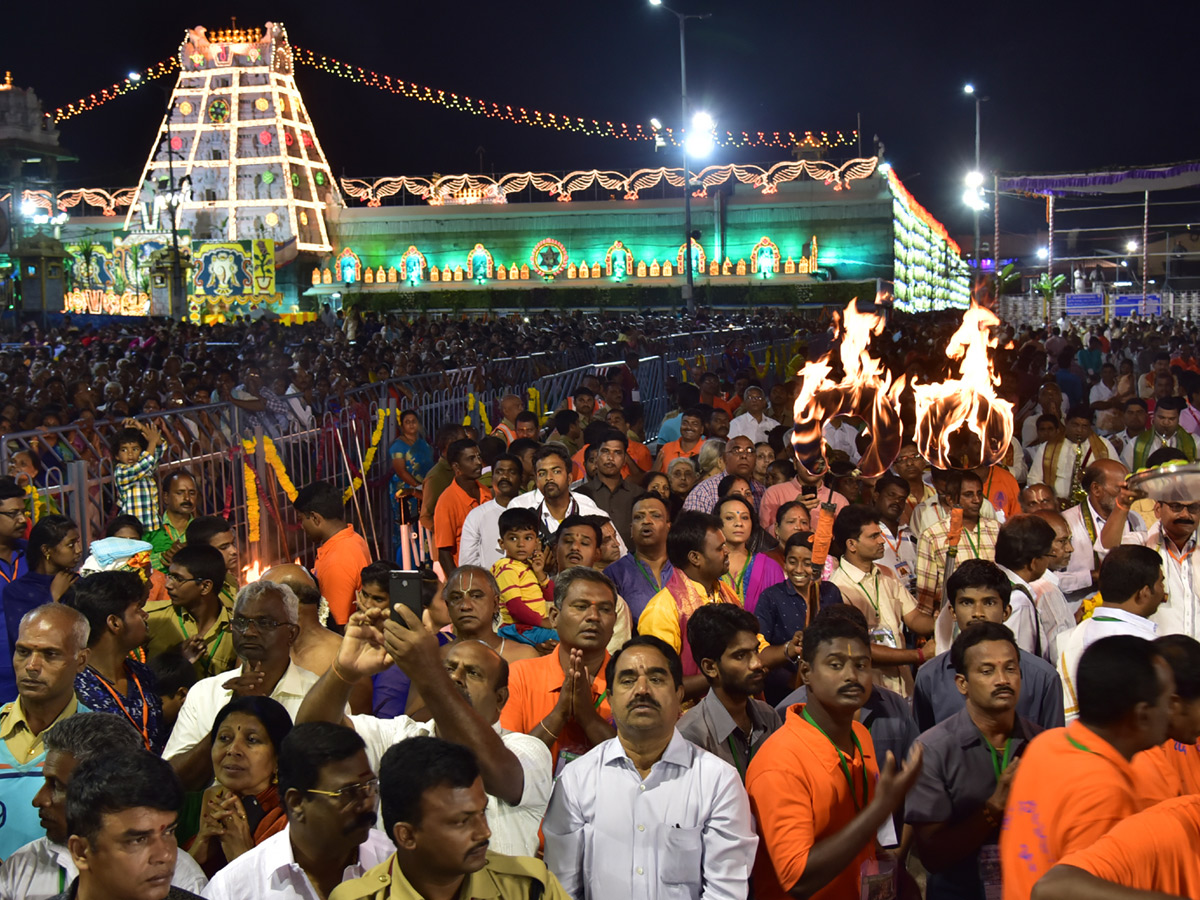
column 503, row 877
column 516, row 581
column 661, row 615
column 170, row 626
column 22, row 743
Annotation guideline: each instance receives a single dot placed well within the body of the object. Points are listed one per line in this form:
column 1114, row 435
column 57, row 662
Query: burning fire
column 253, row 572
column 961, row 423
column 968, row 402
column 866, row 390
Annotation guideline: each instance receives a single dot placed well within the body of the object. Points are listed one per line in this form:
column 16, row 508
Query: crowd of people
column 652, row 660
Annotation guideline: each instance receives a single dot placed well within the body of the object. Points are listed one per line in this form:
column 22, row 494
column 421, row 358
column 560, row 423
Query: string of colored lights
column 475, row 106
column 125, row 86
column 536, row 118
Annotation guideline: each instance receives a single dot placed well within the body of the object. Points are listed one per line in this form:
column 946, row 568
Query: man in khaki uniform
column 433, row 809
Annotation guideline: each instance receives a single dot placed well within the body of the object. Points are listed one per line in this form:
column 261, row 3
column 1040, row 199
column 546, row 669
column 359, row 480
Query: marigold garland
column 252, row 508
column 250, row 445
column 376, row 437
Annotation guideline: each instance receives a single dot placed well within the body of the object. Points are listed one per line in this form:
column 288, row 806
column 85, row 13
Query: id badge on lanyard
column 883, row 635
column 878, row 880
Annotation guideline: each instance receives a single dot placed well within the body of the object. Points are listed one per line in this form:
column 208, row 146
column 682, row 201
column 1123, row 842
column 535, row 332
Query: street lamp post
column 688, row 298
column 969, row 89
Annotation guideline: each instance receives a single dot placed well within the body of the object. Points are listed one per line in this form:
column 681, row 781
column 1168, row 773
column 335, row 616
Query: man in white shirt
column 1023, row 552
column 552, row 498
column 263, row 628
column 754, row 423
column 331, row 796
column 900, row 548
column 682, row 815
column 1102, row 481
column 932, row 510
column 1165, row 432
column 1173, row 538
column 1056, row 463
column 1103, row 398
column 1131, row 582
column 43, row 868
column 840, row 434
column 464, row 685
column 1054, row 613
column 480, row 541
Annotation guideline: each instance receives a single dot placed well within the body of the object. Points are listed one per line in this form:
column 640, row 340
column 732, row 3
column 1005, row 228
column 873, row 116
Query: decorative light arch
column 701, row 260
column 473, row 255
column 341, row 266
column 412, row 264
column 765, row 244
column 616, row 250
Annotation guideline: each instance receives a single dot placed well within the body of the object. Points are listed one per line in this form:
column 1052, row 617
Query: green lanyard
column 845, row 765
column 737, row 763
column 1078, row 746
column 998, row 764
column 739, row 584
column 217, row 644
column 1105, row 619
column 874, row 602
column 599, row 700
column 647, row 574
column 978, row 538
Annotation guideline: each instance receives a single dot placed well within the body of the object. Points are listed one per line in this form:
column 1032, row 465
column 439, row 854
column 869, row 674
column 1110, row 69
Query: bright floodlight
column 972, row 199
column 655, row 124
column 1131, row 247
column 135, row 76
column 1042, row 253
column 656, row 2
column 29, row 209
column 968, row 88
column 702, row 121
column 974, row 179
column 699, row 144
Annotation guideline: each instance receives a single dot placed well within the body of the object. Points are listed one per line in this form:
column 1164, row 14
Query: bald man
column 510, row 407
column 1037, row 497
column 50, row 650
column 1102, row 482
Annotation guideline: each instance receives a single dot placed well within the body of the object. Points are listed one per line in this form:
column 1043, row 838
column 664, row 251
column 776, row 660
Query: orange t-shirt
column 1071, row 788
column 338, row 570
column 450, row 512
column 533, row 689
column 1152, row 851
column 799, row 796
column 1002, row 489
column 639, row 454
column 668, row 453
column 578, row 471
column 1167, row 771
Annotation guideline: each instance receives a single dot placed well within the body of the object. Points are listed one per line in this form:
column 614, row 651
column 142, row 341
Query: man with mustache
column 681, row 815
column 331, row 794
column 1054, row 613
column 464, row 686
column 434, row 809
column 957, row 803
column 729, row 722
column 552, row 497
column 978, row 593
column 179, row 492
column 480, row 543
column 641, row 574
column 50, row 650
column 1173, row 538
column 40, row 869
column 817, row 790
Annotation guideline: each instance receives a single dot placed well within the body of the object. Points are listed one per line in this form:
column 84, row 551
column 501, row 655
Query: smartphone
column 809, row 490
column 404, row 587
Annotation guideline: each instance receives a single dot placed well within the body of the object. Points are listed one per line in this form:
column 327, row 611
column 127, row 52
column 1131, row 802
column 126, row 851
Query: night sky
column 1070, row 85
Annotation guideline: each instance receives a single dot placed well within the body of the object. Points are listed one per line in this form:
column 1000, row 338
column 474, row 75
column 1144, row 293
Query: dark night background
column 1071, row 85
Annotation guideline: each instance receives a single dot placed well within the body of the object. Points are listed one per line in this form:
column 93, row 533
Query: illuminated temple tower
column 245, row 158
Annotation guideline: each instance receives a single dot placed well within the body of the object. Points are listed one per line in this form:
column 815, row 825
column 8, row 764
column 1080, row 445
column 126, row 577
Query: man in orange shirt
column 462, row 495
column 1000, row 489
column 691, row 429
column 816, row 789
column 561, row 698
column 1172, row 769
column 342, row 553
column 1074, row 784
column 1151, row 855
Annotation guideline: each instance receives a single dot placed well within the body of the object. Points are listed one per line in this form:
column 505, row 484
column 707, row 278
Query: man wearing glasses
column 739, row 461
column 1173, row 538
column 263, row 629
column 331, row 795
